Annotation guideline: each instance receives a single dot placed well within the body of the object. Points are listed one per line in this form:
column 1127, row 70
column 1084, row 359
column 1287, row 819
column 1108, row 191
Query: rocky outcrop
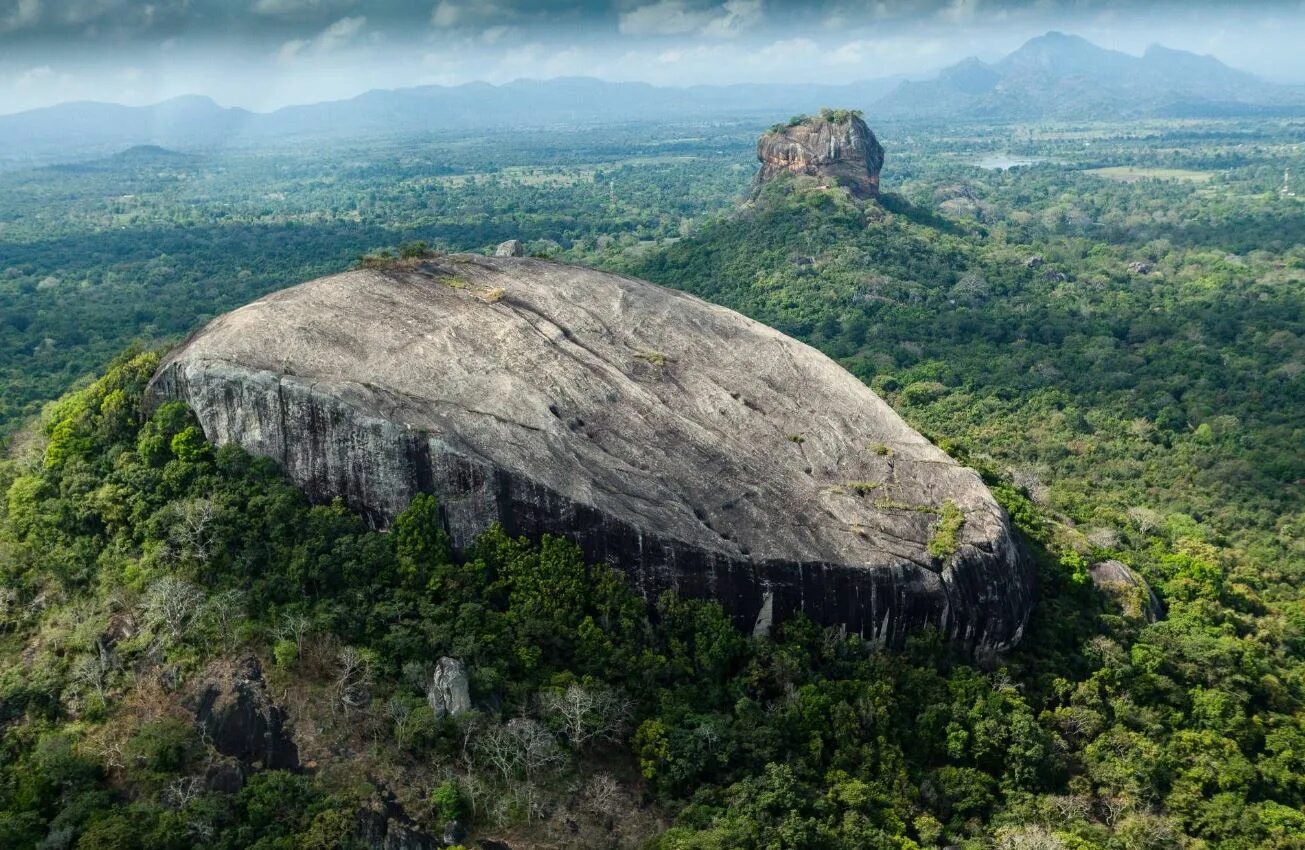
column 1127, row 589
column 238, row 717
column 836, row 146
column 449, row 693
column 386, row 826
column 510, row 248
column 689, row 446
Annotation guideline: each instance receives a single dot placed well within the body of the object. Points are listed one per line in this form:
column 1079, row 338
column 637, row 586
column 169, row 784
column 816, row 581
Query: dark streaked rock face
column 238, row 716
column 844, row 151
column 682, row 442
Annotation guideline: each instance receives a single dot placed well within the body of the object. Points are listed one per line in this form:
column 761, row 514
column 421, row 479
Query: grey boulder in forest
column 691, row 447
column 449, row 692
column 1127, row 589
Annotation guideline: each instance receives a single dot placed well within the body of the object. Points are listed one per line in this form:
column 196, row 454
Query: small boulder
column 1141, row 267
column 449, row 693
column 510, row 248
column 1034, row 263
column 1129, row 590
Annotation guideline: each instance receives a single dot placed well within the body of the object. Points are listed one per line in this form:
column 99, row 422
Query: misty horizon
column 269, row 54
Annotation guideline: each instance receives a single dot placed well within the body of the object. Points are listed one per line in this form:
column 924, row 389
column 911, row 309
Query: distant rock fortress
column 691, row 447
column 836, row 145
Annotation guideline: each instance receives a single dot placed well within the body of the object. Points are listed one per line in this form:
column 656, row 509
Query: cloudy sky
column 262, row 54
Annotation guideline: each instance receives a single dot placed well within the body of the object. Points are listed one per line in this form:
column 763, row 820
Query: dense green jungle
column 1106, row 321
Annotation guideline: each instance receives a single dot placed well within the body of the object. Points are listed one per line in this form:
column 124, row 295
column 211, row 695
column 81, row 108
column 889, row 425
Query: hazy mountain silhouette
column 1065, row 76
column 1052, row 76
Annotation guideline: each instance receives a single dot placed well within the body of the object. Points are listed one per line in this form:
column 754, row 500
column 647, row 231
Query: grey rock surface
column 510, row 248
column 449, row 693
column 686, row 444
column 1130, row 590
column 844, row 151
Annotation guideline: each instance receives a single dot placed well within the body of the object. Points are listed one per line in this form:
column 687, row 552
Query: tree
column 353, row 678
column 171, row 606
column 521, row 747
column 420, row 542
column 587, row 714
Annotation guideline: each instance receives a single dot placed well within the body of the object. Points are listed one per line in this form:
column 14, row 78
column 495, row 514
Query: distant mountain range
column 85, row 129
column 1054, row 76
column 1065, row 76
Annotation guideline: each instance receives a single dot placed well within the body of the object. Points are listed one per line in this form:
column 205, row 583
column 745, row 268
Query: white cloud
column 340, row 32
column 333, row 37
column 789, row 50
column 23, row 14
column 33, row 77
column 445, row 14
column 290, row 7
column 291, row 49
column 959, row 11
column 665, row 17
column 735, row 17
column 891, row 52
column 677, row 17
column 450, row 14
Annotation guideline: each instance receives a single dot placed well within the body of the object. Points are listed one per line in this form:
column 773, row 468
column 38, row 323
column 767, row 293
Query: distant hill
column 139, row 157
column 83, row 130
column 1065, row 76
column 1054, row 76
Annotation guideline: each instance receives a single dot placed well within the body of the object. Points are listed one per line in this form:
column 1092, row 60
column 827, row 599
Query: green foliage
column 1153, row 417
column 945, row 536
column 803, row 739
column 447, row 802
column 421, row 543
column 840, row 116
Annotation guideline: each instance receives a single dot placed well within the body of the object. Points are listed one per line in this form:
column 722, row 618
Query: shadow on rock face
column 236, row 714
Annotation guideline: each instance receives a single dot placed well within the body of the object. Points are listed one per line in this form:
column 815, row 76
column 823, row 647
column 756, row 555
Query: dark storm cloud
column 49, row 22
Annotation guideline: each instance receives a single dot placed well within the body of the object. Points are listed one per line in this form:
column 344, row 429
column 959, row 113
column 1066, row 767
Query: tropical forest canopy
column 1107, row 322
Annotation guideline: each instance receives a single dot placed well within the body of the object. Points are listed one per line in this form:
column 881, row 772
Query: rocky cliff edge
column 689, row 446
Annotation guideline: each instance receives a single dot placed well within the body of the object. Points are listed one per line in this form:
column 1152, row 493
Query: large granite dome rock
column 836, row 146
column 682, row 442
